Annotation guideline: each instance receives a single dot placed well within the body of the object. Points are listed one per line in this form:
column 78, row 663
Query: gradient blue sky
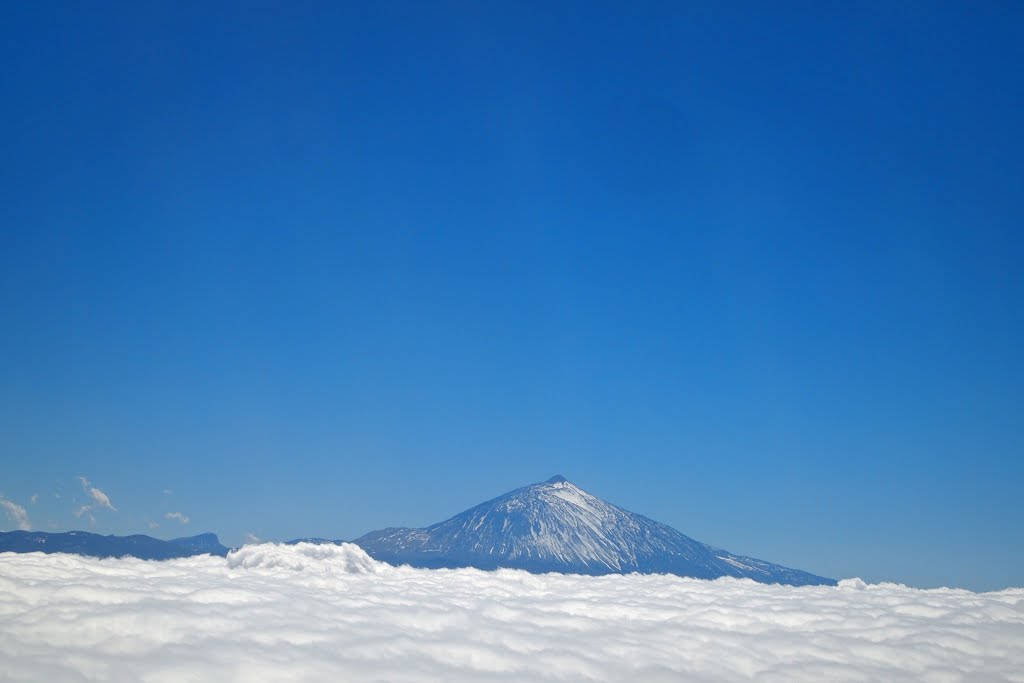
column 753, row 272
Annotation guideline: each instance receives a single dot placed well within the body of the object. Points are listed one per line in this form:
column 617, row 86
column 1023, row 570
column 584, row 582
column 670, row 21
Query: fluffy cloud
column 17, row 514
column 178, row 516
column 314, row 613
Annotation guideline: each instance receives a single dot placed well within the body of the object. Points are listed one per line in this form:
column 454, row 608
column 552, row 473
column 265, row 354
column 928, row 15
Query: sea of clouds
column 330, row 613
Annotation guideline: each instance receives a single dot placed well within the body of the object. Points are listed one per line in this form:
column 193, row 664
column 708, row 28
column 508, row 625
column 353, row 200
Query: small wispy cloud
column 34, row 498
column 250, row 537
column 17, row 514
column 183, row 518
column 153, row 525
column 101, row 498
column 168, row 492
column 85, row 510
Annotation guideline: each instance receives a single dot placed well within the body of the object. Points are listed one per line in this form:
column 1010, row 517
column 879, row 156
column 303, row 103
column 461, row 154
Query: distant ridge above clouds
column 95, row 545
column 553, row 526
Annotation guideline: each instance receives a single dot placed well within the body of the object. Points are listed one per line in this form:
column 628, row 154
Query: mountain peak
column 556, row 526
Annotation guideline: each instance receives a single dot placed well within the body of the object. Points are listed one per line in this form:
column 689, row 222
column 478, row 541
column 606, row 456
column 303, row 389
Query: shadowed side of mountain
column 201, row 544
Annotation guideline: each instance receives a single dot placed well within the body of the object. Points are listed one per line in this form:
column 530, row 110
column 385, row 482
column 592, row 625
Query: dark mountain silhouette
column 95, row 545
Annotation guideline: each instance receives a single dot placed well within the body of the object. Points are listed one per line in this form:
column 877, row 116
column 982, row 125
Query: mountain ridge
column 551, row 526
column 97, row 545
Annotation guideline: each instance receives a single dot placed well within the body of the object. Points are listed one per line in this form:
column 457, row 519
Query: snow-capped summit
column 557, row 526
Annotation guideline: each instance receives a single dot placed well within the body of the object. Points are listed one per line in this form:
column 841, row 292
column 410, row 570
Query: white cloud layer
column 17, row 514
column 318, row 613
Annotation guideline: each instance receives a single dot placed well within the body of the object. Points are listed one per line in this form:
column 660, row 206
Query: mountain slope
column 95, row 545
column 557, row 526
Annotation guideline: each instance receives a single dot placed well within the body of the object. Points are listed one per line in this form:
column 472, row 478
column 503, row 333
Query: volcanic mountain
column 555, row 526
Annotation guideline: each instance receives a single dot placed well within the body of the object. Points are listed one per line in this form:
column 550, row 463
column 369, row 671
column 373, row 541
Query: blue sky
column 754, row 272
